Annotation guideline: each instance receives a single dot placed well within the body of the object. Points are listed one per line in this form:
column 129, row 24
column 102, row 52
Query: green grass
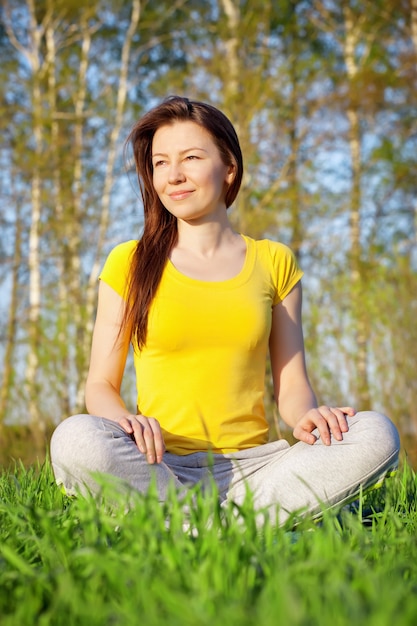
column 75, row 561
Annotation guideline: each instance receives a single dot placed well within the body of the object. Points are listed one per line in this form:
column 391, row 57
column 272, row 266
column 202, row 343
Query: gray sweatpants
column 294, row 478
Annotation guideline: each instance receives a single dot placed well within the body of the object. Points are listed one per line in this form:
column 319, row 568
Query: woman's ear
column 231, row 173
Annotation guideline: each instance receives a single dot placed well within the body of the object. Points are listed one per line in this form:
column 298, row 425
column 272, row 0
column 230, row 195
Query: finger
column 324, row 428
column 341, row 418
column 149, row 439
column 137, row 429
column 125, row 423
column 347, row 410
column 336, row 423
column 158, row 439
column 304, row 435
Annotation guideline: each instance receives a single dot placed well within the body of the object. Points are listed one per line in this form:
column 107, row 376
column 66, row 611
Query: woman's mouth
column 180, row 195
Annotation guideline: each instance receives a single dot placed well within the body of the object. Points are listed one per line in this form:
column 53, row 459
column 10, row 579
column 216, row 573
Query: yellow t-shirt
column 202, row 371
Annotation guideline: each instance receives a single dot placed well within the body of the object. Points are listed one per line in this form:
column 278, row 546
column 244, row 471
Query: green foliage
column 82, row 561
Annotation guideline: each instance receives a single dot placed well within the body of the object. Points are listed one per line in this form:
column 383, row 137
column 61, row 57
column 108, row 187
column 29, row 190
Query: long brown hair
column 160, row 226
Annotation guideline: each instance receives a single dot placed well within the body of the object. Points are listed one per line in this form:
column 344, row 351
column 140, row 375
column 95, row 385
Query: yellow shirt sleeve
column 286, row 271
column 115, row 271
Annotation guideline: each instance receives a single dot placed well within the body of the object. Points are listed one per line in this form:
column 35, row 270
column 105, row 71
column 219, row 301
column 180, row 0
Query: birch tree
column 33, row 56
column 353, row 38
column 10, row 332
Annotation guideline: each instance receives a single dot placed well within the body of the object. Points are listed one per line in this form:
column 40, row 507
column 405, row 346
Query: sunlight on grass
column 123, row 561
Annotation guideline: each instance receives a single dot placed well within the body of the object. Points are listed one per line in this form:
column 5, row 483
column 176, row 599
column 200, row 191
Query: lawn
column 75, row 561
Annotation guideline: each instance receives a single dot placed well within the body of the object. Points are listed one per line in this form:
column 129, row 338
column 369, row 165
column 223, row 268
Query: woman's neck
column 205, row 239
column 208, row 252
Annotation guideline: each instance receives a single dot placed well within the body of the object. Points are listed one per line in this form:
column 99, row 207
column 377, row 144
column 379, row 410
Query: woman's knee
column 80, row 438
column 83, row 444
column 69, row 432
column 379, row 430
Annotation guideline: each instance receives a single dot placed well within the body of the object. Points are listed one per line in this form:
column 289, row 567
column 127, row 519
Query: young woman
column 202, row 304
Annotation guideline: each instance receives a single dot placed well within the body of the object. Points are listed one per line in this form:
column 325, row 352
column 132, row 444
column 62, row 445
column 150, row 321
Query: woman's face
column 189, row 174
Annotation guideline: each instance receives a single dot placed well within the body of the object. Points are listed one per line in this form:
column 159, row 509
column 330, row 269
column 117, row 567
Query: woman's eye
column 191, row 157
column 158, row 163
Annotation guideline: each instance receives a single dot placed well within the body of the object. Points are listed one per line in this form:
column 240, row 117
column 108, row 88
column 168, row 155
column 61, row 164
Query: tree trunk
column 360, row 321
column 231, row 84
column 297, row 230
column 62, row 360
column 91, row 289
column 11, row 328
column 74, row 229
column 34, row 333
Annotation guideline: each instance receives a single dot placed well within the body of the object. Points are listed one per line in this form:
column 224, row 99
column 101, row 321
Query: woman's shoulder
column 271, row 249
column 121, row 253
column 116, row 267
column 125, row 248
column 280, row 264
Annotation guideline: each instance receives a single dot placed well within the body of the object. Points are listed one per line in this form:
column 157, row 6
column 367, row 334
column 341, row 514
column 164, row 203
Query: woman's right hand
column 147, row 434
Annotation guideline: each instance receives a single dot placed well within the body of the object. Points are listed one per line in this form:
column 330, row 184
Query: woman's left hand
column 330, row 421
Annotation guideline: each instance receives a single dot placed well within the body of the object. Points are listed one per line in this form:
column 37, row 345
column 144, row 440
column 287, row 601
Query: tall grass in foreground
column 74, row 561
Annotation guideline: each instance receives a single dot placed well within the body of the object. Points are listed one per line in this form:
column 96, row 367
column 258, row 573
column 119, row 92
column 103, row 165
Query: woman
column 202, row 304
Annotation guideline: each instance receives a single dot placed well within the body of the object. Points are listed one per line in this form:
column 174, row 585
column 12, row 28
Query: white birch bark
column 232, row 78
column 34, row 234
column 11, row 328
column 61, row 360
column 74, row 234
column 91, row 289
column 32, row 54
column 232, row 12
column 351, row 40
column 413, row 25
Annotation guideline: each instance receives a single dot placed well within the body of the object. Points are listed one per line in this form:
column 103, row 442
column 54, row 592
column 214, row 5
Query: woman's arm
column 107, row 363
column 108, row 358
column 295, row 398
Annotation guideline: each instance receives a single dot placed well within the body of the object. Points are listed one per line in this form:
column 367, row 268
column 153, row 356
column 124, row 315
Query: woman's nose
column 176, row 175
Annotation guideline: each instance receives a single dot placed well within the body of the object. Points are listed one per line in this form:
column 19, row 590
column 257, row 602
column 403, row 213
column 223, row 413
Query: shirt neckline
column 234, row 281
